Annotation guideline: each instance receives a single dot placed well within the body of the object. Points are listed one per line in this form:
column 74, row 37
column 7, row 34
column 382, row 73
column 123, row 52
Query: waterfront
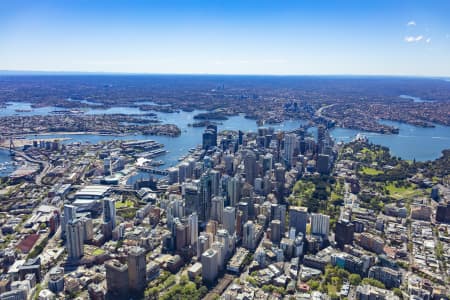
column 6, row 164
column 411, row 143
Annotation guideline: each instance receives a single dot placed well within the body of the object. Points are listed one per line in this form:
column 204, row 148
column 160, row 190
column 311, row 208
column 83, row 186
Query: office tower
column 259, row 184
column 243, row 208
column 109, row 211
column 221, row 253
column 215, row 182
column 172, row 175
column 75, row 240
column 205, row 197
column 203, row 243
column 88, row 228
column 229, row 219
column 116, row 279
column 193, row 229
column 211, row 227
column 250, row 167
column 56, row 280
column 234, row 190
column 323, row 164
column 280, row 174
column 181, row 236
column 320, row 224
column 229, row 164
column 298, row 218
column 209, row 138
column 278, row 212
column 224, row 237
column 248, row 239
column 290, row 145
column 70, row 214
column 275, row 231
column 217, row 207
column 344, row 233
column 192, row 197
column 210, row 266
column 183, row 172
column 137, row 270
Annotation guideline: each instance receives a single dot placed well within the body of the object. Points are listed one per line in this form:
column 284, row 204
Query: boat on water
column 23, row 110
column 156, row 163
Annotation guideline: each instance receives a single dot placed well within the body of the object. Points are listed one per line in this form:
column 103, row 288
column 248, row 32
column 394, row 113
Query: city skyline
column 251, row 38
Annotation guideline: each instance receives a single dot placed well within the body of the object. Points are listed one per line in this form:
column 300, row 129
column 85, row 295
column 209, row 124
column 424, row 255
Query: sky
column 280, row 37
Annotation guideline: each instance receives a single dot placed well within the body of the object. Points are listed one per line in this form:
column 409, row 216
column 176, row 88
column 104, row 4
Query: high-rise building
column 193, row 229
column 75, row 239
column 137, row 270
column 215, row 182
column 116, row 279
column 210, row 266
column 344, row 233
column 267, row 163
column 275, row 231
column 70, row 214
column 228, row 159
column 320, row 224
column 250, row 167
column 109, row 211
column 248, row 239
column 217, row 208
column 298, row 218
column 56, row 280
column 183, row 172
column 323, row 164
column 290, row 145
column 192, row 197
column 210, row 137
column 229, row 219
column 234, row 190
column 205, row 198
column 224, row 237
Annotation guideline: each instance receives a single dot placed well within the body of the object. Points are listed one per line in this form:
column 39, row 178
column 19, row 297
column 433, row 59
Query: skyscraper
column 250, row 167
column 109, row 211
column 275, row 231
column 298, row 218
column 217, row 208
column 210, row 265
column 320, row 224
column 137, row 270
column 70, row 214
column 234, row 190
column 344, row 233
column 116, row 279
column 229, row 219
column 193, row 229
column 290, row 144
column 248, row 239
column 75, row 240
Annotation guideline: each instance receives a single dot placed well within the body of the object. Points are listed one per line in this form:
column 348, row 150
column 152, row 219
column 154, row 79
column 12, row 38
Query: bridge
column 153, row 171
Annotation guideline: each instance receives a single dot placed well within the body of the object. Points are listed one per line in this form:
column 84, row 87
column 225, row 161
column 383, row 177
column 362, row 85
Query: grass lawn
column 331, row 289
column 98, row 252
column 371, row 171
column 403, row 191
column 124, row 204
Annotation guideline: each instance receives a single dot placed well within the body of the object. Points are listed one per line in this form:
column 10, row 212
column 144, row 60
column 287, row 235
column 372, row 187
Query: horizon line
column 79, row 72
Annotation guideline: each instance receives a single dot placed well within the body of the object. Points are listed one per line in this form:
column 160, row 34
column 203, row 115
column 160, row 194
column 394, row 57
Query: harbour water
column 6, row 164
column 411, row 143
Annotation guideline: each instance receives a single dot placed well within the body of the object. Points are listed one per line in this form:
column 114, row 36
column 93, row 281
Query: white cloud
column 411, row 23
column 413, row 39
column 428, row 40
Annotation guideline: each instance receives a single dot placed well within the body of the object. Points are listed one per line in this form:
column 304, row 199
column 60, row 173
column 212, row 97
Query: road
column 44, row 165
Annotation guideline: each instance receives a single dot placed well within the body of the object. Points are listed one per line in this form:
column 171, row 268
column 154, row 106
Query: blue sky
column 384, row 37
